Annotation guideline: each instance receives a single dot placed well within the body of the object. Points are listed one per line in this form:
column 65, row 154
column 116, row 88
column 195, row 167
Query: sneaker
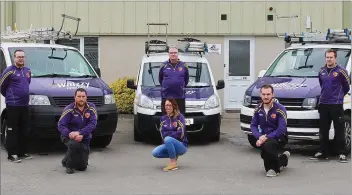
column 63, row 162
column 69, row 170
column 343, row 158
column 271, row 173
column 170, row 167
column 319, row 156
column 14, row 158
column 25, row 156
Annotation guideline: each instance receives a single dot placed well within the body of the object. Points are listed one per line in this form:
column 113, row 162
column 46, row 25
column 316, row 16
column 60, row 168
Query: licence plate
column 189, row 121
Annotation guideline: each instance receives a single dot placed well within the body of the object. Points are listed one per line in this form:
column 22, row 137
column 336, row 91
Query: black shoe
column 25, row 156
column 69, row 170
column 14, row 158
column 343, row 158
column 319, row 156
column 63, row 162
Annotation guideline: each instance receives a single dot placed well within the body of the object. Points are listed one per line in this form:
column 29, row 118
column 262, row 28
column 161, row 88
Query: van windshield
column 54, row 62
column 304, row 62
column 199, row 75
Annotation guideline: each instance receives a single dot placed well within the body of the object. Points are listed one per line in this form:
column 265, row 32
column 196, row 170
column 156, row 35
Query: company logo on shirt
column 273, row 116
column 180, row 69
column 87, row 115
column 175, row 124
column 335, row 74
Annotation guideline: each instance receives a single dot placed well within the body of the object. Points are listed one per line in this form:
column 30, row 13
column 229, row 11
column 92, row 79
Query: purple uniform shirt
column 15, row 85
column 334, row 85
column 273, row 124
column 174, row 127
column 73, row 119
column 173, row 80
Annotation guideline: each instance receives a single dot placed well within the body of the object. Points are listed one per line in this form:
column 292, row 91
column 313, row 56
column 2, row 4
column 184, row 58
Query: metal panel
column 189, row 17
column 129, row 18
column 259, row 17
column 224, row 25
column 236, row 17
column 153, row 16
column 46, row 9
column 201, row 20
column 104, row 17
column 83, row 13
column 142, row 18
column 117, row 17
column 165, row 15
column 94, row 16
column 2, row 16
column 212, row 17
column 347, row 14
column 177, row 17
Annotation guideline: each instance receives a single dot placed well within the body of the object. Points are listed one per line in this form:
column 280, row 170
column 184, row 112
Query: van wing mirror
column 97, row 70
column 221, row 84
column 130, row 84
column 261, row 73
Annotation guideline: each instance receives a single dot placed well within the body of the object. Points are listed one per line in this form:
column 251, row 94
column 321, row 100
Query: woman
column 173, row 134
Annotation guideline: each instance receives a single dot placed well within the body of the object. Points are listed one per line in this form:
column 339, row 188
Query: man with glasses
column 173, row 78
column 15, row 81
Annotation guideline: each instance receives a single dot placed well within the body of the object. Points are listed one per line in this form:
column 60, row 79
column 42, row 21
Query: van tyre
column 348, row 132
column 103, row 141
column 253, row 141
column 137, row 136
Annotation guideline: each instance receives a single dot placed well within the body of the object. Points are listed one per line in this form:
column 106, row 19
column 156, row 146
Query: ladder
column 40, row 34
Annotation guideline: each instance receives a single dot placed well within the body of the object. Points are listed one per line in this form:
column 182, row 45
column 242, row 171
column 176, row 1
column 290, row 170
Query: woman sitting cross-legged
column 173, row 134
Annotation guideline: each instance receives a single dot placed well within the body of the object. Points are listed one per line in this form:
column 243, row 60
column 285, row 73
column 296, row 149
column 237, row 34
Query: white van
column 294, row 76
column 203, row 106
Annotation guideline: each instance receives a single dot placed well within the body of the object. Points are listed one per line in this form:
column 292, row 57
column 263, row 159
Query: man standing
column 173, row 77
column 335, row 84
column 76, row 124
column 15, row 81
column 269, row 126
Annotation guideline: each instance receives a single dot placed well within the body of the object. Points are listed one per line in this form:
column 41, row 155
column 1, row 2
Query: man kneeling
column 76, row 124
column 269, row 126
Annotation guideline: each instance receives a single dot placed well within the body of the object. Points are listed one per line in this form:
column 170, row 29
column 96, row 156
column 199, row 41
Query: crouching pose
column 173, row 134
column 76, row 123
column 269, row 126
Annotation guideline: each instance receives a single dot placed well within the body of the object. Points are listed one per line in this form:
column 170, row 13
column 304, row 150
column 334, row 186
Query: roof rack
column 331, row 36
column 192, row 45
column 41, row 34
column 154, row 45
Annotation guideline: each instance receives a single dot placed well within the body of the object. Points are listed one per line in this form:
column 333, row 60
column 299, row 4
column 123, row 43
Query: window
column 2, row 61
column 304, row 62
column 62, row 62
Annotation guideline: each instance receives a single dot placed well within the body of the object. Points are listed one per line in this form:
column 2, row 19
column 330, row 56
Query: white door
column 239, row 70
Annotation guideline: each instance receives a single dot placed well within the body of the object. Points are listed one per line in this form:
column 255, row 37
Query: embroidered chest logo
column 335, row 74
column 180, row 69
column 87, row 115
column 175, row 124
column 273, row 116
column 28, row 75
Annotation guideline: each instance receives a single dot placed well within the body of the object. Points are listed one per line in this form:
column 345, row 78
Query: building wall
column 183, row 17
column 121, row 56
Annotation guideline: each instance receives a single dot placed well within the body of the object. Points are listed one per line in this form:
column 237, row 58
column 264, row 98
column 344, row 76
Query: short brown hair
column 267, row 86
column 17, row 50
column 331, row 51
column 174, row 106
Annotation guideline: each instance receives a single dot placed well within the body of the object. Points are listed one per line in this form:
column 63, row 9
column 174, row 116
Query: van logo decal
column 71, row 85
column 190, row 92
column 288, row 85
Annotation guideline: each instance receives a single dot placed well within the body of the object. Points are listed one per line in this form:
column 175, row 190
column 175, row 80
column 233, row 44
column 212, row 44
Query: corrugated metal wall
column 184, row 17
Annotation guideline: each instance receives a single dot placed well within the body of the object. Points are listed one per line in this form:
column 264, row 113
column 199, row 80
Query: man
column 173, row 77
column 15, row 81
column 269, row 126
column 335, row 84
column 76, row 124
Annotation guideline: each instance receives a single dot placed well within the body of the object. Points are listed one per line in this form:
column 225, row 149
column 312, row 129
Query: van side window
column 2, row 61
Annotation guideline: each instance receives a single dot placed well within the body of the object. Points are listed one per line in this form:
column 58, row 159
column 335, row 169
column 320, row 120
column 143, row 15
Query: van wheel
column 253, row 141
column 103, row 141
column 137, row 136
column 3, row 133
column 348, row 133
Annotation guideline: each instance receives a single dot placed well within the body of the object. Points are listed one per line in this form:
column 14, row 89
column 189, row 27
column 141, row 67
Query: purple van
column 57, row 71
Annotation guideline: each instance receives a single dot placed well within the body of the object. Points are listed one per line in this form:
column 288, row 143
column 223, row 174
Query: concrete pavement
column 127, row 167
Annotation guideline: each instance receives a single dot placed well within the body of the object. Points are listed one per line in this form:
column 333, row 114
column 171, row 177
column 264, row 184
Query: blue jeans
column 169, row 149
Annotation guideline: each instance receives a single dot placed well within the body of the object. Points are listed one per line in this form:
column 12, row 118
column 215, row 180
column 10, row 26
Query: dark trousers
column 17, row 129
column 181, row 105
column 77, row 154
column 271, row 154
column 327, row 114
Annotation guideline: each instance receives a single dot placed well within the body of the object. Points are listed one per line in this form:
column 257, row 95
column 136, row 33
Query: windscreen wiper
column 283, row 75
column 85, row 76
column 52, row 75
column 198, row 86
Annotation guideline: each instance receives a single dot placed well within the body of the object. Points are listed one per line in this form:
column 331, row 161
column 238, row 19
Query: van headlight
column 246, row 100
column 109, row 99
column 145, row 102
column 39, row 100
column 309, row 103
column 212, row 102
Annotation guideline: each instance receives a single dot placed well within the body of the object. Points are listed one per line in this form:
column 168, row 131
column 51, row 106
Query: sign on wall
column 214, row 48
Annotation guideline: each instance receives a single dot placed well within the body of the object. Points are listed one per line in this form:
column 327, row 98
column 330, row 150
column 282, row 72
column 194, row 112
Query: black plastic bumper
column 43, row 120
column 209, row 124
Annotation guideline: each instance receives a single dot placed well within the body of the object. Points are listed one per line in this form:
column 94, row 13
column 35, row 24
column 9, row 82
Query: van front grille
column 64, row 101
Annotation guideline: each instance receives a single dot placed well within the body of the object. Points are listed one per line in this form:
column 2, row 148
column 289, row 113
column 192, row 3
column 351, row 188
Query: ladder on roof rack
column 155, row 45
column 41, row 34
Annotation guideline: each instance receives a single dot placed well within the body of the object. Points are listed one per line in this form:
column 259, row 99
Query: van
column 203, row 106
column 56, row 72
column 294, row 77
